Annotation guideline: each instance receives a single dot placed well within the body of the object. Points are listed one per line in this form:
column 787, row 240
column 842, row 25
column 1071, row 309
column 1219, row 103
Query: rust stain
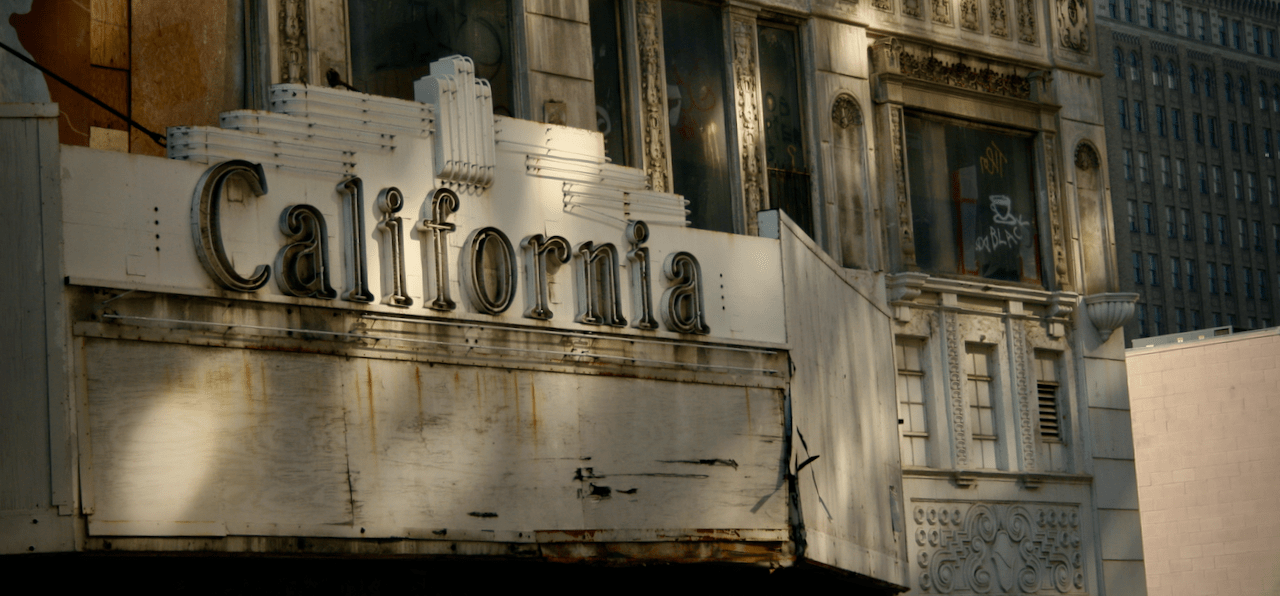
column 533, row 401
column 248, row 380
column 746, row 392
column 417, row 381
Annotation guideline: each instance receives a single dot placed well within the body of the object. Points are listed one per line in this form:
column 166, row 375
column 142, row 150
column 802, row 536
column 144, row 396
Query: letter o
column 490, row 263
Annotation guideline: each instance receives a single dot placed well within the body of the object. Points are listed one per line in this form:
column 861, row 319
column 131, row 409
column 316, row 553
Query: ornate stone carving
column 911, row 8
column 999, row 19
column 998, row 548
column 845, row 111
column 1026, row 21
column 1028, row 405
column 1073, row 25
column 1086, row 156
column 293, row 41
column 749, row 135
column 956, row 378
column 652, row 96
column 905, row 233
column 942, row 12
column 885, row 5
column 1056, row 216
column 959, row 74
column 969, row 15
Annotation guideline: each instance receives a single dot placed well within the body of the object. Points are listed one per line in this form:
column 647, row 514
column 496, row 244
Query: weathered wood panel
column 208, row 441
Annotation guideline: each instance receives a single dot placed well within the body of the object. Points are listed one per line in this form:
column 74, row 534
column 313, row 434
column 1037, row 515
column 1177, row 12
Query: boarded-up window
column 1048, row 396
column 972, row 200
column 912, row 418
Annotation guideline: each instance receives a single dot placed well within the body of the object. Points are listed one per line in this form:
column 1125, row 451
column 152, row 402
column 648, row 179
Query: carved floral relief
column 997, row 548
column 911, row 8
column 958, row 74
column 1026, row 21
column 1055, row 214
column 749, row 136
column 293, row 41
column 1073, row 25
column 905, row 233
column 955, row 391
column 652, row 97
column 942, row 12
column 969, row 15
column 999, row 19
column 885, row 5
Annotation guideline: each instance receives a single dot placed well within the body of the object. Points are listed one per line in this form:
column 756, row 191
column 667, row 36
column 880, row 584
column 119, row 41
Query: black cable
column 158, row 138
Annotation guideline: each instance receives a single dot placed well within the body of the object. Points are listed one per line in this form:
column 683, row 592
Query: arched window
column 1244, row 92
column 1134, row 66
column 1173, row 75
column 1208, row 82
column 1192, row 80
column 1119, row 63
column 1155, row 70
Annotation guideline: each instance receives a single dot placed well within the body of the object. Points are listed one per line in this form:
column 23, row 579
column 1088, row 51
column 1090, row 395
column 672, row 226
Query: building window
column 1124, row 114
column 1119, row 57
column 1226, row 279
column 1148, row 218
column 1275, row 234
column 1165, row 177
column 1235, row 35
column 1191, row 275
column 1112, row 9
column 1142, row 320
column 1155, row 71
column 1185, row 221
column 786, row 155
column 1257, row 40
column 1217, row 180
column 1176, row 121
column 1203, row 172
column 1262, row 95
column 1208, row 228
column 1128, row 10
column 1273, row 198
column 608, row 67
column 913, row 424
column 1180, row 319
column 1048, row 392
column 1172, row 74
column 1127, row 155
column 1180, row 171
column 1241, row 233
column 1262, row 285
column 1196, row 130
column 1253, row 187
column 1159, row 312
column 1160, row 120
column 1244, row 92
column 1151, row 14
column 1248, row 282
column 1192, row 84
column 1238, row 178
column 1138, row 122
column 1169, row 225
column 1231, row 135
column 1133, row 216
column 1202, row 24
column 1257, row 236
column 1226, row 87
column 1137, row 268
column 1153, row 269
column 423, row 35
column 1175, row 273
column 1165, row 9
column 1212, row 270
column 1213, row 131
column 972, row 199
column 1266, row 142
column 1271, row 43
column 1222, row 31
column 1144, row 166
column 1208, row 83
column 981, row 415
column 1246, row 134
column 1275, row 97
column 693, row 46
column 1196, row 323
column 1222, row 230
column 1217, row 319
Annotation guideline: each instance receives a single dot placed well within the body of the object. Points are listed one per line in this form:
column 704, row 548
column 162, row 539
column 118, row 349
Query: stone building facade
column 1193, row 113
column 881, row 224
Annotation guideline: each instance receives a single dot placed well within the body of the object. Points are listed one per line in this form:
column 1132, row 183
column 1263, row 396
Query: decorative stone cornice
column 924, row 65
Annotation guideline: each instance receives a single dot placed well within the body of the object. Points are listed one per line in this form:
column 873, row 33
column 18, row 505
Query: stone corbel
column 964, row 479
column 902, row 289
column 1033, row 481
column 1109, row 311
column 1041, row 83
column 1061, row 305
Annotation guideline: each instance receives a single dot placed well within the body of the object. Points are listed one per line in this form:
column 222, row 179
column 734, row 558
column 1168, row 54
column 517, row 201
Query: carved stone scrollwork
column 969, row 15
column 1028, row 404
column 1026, row 21
column 1056, row 217
column 885, row 5
column 1073, row 25
column 959, row 74
column 911, row 8
column 942, row 12
column 652, row 96
column 955, row 390
column 999, row 19
column 293, row 41
column 749, row 134
column 998, row 548
column 845, row 111
column 1086, row 156
column 906, row 234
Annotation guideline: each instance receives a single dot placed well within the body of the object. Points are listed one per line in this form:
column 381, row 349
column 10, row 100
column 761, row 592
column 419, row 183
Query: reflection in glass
column 609, row 80
column 394, row 42
column 972, row 201
column 693, row 42
column 785, row 154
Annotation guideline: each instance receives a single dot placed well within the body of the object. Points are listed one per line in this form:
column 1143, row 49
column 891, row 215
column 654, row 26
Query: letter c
column 206, row 224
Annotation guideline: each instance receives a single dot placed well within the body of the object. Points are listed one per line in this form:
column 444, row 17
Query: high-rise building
column 1192, row 105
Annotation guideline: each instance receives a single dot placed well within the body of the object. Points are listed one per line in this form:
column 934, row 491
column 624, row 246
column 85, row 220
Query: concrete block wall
column 1206, row 429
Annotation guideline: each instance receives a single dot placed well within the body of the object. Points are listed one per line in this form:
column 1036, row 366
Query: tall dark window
column 696, row 95
column 1128, row 10
column 1124, row 113
column 1138, row 122
column 1208, row 83
column 1192, row 83
column 1196, row 130
column 972, row 200
column 1176, row 120
column 610, row 80
column 394, row 42
column 1160, row 120
column 785, row 152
